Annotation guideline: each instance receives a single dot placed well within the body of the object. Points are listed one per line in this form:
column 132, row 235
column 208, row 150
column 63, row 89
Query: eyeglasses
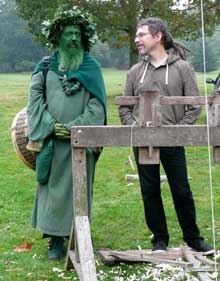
column 141, row 34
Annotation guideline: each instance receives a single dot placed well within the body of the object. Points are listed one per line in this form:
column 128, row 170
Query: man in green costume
column 75, row 95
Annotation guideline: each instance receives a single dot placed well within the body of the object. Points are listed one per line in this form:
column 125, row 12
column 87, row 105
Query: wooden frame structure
column 149, row 135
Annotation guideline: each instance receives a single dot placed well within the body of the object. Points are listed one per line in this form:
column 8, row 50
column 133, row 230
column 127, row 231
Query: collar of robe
column 88, row 74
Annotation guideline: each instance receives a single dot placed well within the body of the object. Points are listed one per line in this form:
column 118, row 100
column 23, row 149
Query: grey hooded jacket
column 175, row 78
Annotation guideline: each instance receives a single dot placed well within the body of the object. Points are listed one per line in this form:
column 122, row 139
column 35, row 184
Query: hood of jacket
column 170, row 60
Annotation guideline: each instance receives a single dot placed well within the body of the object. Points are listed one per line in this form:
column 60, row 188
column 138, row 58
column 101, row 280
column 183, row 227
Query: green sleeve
column 40, row 121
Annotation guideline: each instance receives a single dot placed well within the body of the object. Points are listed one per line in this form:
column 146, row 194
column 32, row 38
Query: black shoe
column 159, row 246
column 200, row 246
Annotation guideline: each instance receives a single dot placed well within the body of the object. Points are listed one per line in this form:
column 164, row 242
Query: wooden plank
column 200, row 268
column 149, row 114
column 131, row 177
column 87, row 260
column 191, row 258
column 109, row 136
column 71, row 245
column 149, row 155
column 81, row 258
column 80, row 200
column 122, row 256
column 214, row 115
column 214, row 120
column 216, row 154
column 75, row 263
column 156, row 115
column 171, row 254
column 185, row 100
column 147, row 102
column 204, row 259
column 76, row 246
column 216, row 97
column 105, row 258
column 170, row 257
column 214, row 110
column 125, row 100
column 80, row 204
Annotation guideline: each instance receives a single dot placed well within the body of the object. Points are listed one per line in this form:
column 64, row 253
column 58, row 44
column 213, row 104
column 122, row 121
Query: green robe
column 53, row 207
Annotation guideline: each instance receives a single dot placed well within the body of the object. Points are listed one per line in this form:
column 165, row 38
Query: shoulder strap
column 46, row 64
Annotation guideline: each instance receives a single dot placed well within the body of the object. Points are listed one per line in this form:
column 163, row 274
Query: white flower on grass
column 63, row 277
column 56, row 269
column 213, row 275
column 217, row 254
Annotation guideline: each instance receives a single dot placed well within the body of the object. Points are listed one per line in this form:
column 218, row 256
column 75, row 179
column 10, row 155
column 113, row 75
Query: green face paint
column 70, row 38
column 70, row 48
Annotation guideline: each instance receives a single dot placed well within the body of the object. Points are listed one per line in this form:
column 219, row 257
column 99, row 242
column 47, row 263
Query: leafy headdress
column 52, row 29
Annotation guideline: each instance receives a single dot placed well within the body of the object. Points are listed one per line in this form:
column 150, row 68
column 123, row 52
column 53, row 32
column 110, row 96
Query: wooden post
column 71, row 246
column 214, row 120
column 149, row 115
column 80, row 182
column 86, row 257
column 80, row 253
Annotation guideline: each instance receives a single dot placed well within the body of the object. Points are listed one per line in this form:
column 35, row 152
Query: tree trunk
column 133, row 52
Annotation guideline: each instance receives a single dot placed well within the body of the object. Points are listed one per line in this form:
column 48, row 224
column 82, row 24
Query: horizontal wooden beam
column 125, row 100
column 185, row 100
column 109, row 136
column 135, row 177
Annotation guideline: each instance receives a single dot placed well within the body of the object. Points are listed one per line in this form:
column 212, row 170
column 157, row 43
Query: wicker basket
column 19, row 139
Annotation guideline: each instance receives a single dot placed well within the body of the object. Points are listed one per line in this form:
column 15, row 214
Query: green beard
column 70, row 59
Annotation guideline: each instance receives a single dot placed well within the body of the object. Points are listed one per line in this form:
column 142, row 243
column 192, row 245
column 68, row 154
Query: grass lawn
column 118, row 219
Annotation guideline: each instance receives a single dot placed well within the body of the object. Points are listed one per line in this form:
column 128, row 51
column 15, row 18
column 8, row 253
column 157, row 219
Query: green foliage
column 212, row 47
column 35, row 12
column 25, row 65
column 16, row 43
column 51, row 29
column 118, row 19
column 109, row 56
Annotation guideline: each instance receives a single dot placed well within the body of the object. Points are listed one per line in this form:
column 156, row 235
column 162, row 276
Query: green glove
column 61, row 131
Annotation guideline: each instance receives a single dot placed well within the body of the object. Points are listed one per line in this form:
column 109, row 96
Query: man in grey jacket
column 168, row 73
